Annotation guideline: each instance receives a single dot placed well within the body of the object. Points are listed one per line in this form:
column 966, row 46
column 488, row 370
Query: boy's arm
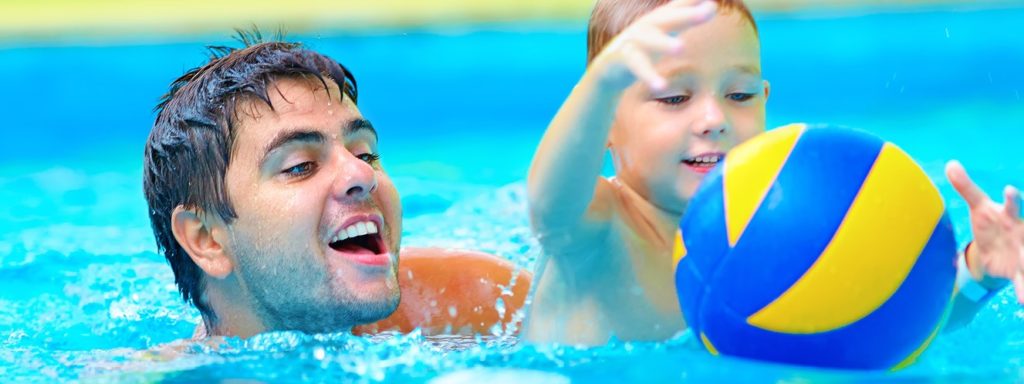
column 564, row 172
column 568, row 161
column 996, row 256
column 972, row 294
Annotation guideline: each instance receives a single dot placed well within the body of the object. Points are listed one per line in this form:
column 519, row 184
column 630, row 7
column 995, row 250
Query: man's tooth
column 361, row 228
column 352, row 231
column 371, row 227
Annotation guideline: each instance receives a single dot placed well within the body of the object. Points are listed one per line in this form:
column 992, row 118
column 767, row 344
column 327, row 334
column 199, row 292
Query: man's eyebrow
column 357, row 125
column 289, row 137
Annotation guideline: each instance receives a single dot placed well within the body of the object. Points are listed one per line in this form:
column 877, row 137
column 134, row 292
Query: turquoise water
column 84, row 296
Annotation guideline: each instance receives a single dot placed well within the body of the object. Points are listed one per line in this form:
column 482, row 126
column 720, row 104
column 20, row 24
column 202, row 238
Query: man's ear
column 200, row 236
column 767, row 89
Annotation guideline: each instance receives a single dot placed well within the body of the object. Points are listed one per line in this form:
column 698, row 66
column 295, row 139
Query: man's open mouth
column 362, row 242
column 703, row 163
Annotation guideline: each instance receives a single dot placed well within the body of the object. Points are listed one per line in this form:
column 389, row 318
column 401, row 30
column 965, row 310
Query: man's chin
column 370, row 300
column 372, row 309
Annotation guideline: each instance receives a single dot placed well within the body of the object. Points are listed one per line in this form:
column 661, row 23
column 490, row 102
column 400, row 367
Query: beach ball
column 816, row 246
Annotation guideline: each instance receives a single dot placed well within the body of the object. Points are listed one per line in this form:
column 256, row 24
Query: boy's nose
column 712, row 123
column 355, row 180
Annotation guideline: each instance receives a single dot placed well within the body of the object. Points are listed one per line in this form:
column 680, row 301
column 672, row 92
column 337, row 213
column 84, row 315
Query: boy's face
column 664, row 142
column 300, row 175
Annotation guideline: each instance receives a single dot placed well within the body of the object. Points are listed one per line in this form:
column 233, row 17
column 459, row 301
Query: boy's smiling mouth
column 703, row 163
column 360, row 240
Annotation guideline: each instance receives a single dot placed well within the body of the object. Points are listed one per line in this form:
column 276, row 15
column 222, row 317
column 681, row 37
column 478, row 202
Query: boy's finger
column 684, row 3
column 640, row 64
column 973, row 195
column 659, row 42
column 678, row 4
column 678, row 19
column 1012, row 199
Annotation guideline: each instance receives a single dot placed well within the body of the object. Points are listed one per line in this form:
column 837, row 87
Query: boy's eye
column 740, row 96
column 369, row 158
column 300, row 169
column 674, row 100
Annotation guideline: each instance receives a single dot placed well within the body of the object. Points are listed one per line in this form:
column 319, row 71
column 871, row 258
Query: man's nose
column 356, row 179
column 711, row 123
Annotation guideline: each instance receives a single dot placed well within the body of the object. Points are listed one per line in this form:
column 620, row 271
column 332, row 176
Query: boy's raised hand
column 632, row 55
column 998, row 249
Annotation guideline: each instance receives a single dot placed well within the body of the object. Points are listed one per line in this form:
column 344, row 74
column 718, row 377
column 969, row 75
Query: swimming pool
column 84, row 295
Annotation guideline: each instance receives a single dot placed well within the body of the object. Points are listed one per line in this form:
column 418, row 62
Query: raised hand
column 997, row 253
column 633, row 54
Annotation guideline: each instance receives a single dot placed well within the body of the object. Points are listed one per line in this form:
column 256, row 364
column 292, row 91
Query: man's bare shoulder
column 446, row 291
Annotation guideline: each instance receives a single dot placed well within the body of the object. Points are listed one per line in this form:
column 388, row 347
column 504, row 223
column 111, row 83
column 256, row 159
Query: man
column 268, row 198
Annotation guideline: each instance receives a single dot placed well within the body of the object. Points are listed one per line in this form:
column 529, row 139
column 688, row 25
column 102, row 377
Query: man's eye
column 300, row 169
column 741, row 96
column 674, row 100
column 369, row 158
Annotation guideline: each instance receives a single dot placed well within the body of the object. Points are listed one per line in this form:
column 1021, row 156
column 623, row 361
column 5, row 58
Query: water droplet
column 319, row 353
column 507, row 290
column 499, row 305
column 452, row 311
column 947, row 33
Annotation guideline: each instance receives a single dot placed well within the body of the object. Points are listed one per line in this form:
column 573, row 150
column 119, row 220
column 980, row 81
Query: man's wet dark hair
column 190, row 144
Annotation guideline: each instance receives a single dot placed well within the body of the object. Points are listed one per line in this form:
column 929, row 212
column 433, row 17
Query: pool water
column 84, row 296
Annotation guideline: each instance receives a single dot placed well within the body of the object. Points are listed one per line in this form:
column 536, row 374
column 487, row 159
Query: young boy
column 670, row 88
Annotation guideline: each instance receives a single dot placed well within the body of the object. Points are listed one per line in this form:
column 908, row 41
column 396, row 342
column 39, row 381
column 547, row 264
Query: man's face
column 316, row 240
column 665, row 142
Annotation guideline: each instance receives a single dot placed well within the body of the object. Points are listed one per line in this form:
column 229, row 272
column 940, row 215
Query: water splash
column 114, row 314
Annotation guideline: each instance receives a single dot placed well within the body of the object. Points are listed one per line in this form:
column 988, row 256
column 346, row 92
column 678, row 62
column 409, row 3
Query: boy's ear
column 201, row 237
column 767, row 89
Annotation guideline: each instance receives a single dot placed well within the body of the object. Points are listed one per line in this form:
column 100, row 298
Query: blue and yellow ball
column 817, row 246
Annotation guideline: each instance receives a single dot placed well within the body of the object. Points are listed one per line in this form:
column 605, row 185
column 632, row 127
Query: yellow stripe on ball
column 894, row 214
column 746, row 186
column 707, row 344
column 678, row 249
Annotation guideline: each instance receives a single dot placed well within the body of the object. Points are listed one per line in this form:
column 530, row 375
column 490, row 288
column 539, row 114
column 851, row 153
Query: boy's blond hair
column 611, row 17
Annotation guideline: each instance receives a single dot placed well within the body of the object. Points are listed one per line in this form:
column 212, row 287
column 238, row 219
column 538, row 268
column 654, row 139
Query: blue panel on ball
column 879, row 341
column 690, row 290
column 705, row 220
column 825, row 170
